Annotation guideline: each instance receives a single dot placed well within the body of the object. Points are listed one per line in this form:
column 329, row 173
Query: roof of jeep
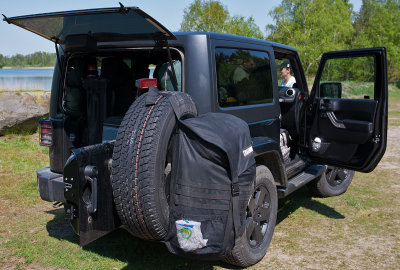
column 221, row 36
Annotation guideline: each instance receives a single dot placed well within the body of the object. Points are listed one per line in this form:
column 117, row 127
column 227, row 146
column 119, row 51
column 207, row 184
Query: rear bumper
column 50, row 185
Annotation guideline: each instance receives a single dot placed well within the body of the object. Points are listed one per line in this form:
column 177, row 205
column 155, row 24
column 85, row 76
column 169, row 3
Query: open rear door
column 105, row 24
column 347, row 117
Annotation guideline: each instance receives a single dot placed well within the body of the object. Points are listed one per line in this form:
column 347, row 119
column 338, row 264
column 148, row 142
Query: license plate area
column 88, row 192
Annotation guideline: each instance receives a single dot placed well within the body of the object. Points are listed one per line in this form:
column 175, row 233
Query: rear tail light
column 45, row 133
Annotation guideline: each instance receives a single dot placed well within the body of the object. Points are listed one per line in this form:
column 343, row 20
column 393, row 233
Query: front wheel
column 261, row 214
column 334, row 182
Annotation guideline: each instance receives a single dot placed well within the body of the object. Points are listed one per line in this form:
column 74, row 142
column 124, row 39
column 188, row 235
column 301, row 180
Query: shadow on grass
column 302, row 198
column 120, row 245
column 140, row 254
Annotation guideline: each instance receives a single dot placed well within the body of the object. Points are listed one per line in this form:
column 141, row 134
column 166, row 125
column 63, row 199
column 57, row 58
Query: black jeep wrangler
column 110, row 155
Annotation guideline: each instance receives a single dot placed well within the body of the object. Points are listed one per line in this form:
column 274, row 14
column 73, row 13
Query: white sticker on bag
column 189, row 235
column 248, row 151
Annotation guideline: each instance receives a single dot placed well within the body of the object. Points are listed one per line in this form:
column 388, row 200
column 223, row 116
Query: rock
column 20, row 111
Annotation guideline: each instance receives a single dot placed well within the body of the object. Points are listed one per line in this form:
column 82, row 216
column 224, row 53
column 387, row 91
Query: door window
column 243, row 77
column 348, row 78
column 284, row 72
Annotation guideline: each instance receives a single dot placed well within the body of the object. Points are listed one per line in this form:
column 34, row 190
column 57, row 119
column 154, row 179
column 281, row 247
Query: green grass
column 21, row 91
column 21, row 156
column 357, row 89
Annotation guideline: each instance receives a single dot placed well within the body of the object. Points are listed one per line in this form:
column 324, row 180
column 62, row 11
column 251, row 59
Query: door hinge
column 376, row 139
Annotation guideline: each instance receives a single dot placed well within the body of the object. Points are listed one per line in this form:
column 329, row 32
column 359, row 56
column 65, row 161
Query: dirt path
column 391, row 159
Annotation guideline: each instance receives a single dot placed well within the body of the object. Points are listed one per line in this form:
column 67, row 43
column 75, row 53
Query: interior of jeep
column 291, row 102
column 99, row 89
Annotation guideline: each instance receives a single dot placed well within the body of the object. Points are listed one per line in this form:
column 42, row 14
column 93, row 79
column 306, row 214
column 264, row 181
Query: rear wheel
column 334, row 182
column 261, row 214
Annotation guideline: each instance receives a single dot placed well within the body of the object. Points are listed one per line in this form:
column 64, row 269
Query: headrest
column 116, row 70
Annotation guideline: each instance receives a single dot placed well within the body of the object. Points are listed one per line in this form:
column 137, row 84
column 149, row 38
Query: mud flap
column 88, row 192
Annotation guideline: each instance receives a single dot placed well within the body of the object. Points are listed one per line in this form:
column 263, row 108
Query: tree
column 212, row 16
column 238, row 25
column 204, row 16
column 313, row 27
column 377, row 24
column 37, row 59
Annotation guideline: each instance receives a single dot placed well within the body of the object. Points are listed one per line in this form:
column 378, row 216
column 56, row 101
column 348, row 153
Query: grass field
column 358, row 230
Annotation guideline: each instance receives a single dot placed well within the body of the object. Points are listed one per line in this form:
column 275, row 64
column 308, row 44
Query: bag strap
column 182, row 201
column 235, row 205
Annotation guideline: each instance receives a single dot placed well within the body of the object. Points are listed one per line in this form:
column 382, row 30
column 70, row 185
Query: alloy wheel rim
column 336, row 176
column 258, row 215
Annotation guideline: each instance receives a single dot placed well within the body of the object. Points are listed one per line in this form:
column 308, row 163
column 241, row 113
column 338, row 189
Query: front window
column 348, row 78
column 243, row 77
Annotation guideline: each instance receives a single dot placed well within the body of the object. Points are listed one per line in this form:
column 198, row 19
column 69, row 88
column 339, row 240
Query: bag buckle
column 235, row 189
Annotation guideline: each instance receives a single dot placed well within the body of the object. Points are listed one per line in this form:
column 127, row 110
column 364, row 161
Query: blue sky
column 14, row 40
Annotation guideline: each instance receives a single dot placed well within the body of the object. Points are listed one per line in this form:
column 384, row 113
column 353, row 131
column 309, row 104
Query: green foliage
column 358, row 69
column 212, row 16
column 238, row 25
column 316, row 26
column 37, row 59
column 377, row 24
column 312, row 27
column 205, row 16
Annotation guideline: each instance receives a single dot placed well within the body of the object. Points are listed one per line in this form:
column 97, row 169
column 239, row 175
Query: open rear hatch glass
column 106, row 24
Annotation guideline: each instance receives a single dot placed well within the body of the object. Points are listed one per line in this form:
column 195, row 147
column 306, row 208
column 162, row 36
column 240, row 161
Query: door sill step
column 301, row 179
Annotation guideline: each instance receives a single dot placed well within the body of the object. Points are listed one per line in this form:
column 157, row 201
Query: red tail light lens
column 45, row 133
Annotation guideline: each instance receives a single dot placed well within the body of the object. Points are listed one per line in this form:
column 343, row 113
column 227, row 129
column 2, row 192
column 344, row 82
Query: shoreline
column 22, row 91
column 27, row 68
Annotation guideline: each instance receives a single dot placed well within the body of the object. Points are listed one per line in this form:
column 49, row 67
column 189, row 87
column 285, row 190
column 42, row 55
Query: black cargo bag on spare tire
column 213, row 171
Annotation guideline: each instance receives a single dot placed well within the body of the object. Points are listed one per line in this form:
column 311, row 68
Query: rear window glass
column 243, row 77
column 106, row 24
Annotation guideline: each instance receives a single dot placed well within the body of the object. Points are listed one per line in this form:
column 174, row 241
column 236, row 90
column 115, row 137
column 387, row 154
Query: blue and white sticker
column 189, row 235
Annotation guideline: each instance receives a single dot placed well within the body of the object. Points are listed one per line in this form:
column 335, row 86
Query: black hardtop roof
column 223, row 36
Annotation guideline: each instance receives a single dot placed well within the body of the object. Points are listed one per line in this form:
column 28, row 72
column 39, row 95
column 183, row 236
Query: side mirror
column 330, row 90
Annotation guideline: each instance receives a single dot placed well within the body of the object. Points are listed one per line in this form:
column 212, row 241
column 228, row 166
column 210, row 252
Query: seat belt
column 171, row 64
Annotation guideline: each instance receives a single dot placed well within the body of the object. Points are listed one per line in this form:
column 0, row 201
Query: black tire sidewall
column 264, row 179
column 243, row 254
column 328, row 190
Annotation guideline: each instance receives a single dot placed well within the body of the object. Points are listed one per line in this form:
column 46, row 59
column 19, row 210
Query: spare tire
column 140, row 164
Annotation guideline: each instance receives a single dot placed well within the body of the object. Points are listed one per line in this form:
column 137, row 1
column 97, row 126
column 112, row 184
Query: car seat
column 120, row 85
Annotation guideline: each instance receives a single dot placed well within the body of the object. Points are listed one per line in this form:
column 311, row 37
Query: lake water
column 29, row 79
column 26, row 79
